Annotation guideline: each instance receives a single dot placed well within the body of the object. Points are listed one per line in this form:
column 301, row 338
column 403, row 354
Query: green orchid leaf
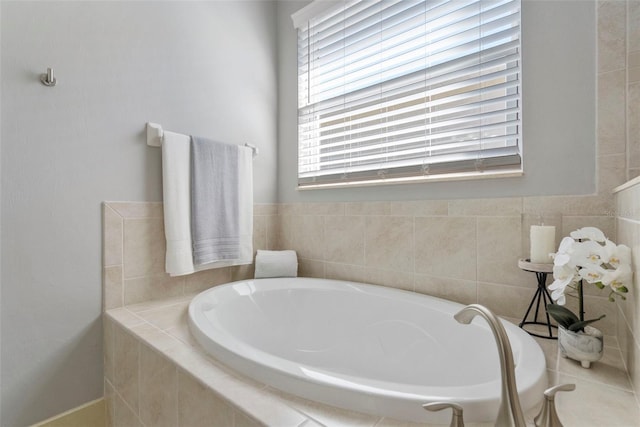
column 579, row 326
column 562, row 315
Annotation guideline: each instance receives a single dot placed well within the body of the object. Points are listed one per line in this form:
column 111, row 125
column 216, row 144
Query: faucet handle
column 548, row 417
column 456, row 417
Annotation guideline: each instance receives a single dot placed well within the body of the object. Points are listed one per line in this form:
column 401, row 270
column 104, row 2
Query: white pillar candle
column 543, row 242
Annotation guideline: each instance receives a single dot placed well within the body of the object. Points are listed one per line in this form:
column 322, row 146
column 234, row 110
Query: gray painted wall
column 206, row 68
column 559, row 110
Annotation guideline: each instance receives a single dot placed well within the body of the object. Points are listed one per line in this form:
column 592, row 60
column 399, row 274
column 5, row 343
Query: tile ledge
column 628, row 184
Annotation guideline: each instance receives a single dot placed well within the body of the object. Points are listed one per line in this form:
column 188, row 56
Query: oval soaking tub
column 362, row 347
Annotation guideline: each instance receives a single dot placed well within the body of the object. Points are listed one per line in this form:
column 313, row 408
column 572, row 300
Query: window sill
column 415, row 180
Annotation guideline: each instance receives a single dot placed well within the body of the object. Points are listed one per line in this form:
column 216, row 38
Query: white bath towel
column 276, row 264
column 221, row 203
column 176, row 191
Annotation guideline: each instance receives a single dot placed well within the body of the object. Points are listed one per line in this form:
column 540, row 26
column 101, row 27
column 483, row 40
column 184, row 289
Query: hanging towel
column 221, row 203
column 176, row 191
column 276, row 264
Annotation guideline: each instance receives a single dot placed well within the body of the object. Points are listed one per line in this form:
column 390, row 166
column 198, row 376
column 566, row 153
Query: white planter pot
column 585, row 347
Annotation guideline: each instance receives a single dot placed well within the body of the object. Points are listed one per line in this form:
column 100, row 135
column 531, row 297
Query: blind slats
column 396, row 88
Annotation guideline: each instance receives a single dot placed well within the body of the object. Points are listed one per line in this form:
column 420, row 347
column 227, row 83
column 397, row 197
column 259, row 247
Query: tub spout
column 510, row 413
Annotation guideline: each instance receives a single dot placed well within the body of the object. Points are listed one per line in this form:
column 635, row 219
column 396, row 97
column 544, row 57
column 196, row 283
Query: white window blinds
column 397, row 89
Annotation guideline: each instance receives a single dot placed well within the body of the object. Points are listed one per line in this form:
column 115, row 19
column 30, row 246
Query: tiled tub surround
column 628, row 217
column 156, row 375
column 148, row 349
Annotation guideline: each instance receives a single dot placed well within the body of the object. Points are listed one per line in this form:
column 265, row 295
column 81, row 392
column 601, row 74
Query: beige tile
column 152, row 287
column 322, row 208
column 633, row 124
column 242, row 272
column 158, row 389
column 462, row 291
column 446, row 247
column 166, row 317
column 420, row 208
column 389, row 242
column 125, row 366
column 290, row 209
column 260, row 403
column 611, row 172
column 633, row 75
column 155, row 304
column 123, row 317
column 511, row 206
column 199, row 406
column 123, row 414
column 596, row 405
column 273, row 229
column 112, row 237
column 144, row 247
column 129, row 210
column 157, row 339
column 113, row 296
column 633, row 26
column 353, row 273
column 570, row 205
column 611, row 35
column 609, row 370
column 182, row 333
column 499, row 249
column 309, row 236
column 509, row 301
column 344, row 239
column 327, row 415
column 310, row 268
column 390, row 278
column 605, row 223
column 260, row 232
column 107, row 345
column 368, row 208
column 265, row 209
column 109, row 397
column 198, row 282
column 611, row 113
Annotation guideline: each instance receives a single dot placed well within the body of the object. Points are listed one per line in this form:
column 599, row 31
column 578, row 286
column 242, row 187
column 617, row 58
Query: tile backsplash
column 134, row 254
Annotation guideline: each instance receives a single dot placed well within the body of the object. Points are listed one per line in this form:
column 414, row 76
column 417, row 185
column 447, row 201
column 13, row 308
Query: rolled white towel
column 276, row 264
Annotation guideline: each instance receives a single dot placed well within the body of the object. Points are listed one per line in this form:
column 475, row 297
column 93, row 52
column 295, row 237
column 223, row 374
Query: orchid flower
column 591, row 233
column 617, row 255
column 618, row 279
column 588, row 256
column 563, row 276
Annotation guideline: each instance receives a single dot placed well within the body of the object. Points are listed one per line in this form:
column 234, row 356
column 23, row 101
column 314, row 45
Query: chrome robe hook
column 48, row 78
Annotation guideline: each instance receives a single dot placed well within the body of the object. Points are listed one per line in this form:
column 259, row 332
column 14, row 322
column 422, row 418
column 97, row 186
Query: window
column 396, row 90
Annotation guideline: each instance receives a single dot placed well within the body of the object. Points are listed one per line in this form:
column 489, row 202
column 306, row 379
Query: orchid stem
column 580, row 301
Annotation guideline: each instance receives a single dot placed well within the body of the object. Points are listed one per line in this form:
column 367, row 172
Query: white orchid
column 590, row 233
column 618, row 279
column 588, row 256
column 564, row 276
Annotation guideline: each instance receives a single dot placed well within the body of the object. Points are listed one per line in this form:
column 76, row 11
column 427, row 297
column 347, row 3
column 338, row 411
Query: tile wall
column 462, row 250
column 628, row 219
column 134, row 254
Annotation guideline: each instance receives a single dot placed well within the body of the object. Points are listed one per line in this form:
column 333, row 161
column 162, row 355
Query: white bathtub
column 362, row 347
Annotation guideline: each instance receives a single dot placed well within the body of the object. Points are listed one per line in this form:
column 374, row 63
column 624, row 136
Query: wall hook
column 48, row 79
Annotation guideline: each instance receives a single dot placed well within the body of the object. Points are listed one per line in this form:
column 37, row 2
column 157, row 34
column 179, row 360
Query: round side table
column 541, row 296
